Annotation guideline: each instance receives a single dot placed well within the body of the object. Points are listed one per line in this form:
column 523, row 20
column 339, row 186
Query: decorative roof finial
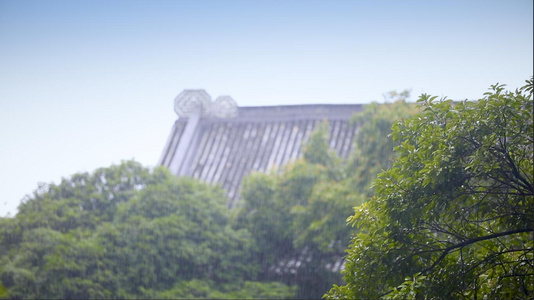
column 191, row 102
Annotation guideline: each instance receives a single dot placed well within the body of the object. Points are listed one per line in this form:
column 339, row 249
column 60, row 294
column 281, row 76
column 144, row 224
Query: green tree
column 128, row 232
column 295, row 230
column 297, row 214
column 84, row 200
column 454, row 216
column 178, row 230
column 394, row 96
column 373, row 151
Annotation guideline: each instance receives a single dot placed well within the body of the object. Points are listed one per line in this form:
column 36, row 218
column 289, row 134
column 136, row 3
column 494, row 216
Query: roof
column 220, row 143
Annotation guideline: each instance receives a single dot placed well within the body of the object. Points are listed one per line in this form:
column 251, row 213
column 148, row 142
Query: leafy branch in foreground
column 454, row 216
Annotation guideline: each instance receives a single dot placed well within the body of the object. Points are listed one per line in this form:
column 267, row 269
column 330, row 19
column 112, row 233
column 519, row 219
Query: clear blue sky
column 86, row 84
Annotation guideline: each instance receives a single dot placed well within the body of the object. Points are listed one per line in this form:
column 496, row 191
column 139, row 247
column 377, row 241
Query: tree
column 373, row 147
column 84, row 200
column 297, row 214
column 299, row 234
column 178, row 230
column 128, row 232
column 394, row 96
column 454, row 216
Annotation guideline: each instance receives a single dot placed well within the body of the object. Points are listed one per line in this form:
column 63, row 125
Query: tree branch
column 472, row 241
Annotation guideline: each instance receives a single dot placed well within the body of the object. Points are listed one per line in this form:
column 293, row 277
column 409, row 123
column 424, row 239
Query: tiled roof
column 222, row 147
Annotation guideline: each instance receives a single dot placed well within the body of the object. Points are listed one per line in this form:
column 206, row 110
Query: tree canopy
column 296, row 214
column 128, row 232
column 454, row 215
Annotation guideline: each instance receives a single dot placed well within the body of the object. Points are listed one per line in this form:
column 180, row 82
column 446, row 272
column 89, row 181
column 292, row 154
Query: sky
column 87, row 84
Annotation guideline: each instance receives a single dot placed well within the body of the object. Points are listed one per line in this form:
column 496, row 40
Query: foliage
column 453, row 217
column 127, row 232
column 291, row 229
column 394, row 96
column 84, row 200
column 373, row 151
column 205, row 289
column 297, row 214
